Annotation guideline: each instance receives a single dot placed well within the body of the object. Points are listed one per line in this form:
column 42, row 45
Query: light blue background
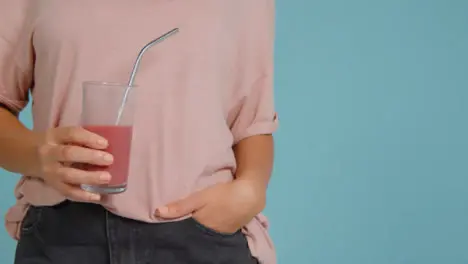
column 372, row 151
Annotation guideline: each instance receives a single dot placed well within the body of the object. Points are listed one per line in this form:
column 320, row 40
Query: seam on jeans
column 36, row 231
column 109, row 247
column 212, row 232
column 33, row 228
column 28, row 229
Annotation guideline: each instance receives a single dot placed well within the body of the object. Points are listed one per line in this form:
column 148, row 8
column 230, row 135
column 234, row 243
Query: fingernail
column 105, row 177
column 108, row 157
column 102, row 142
column 162, row 210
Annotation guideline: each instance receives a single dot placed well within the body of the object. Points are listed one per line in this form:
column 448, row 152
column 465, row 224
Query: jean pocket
column 212, row 232
column 31, row 220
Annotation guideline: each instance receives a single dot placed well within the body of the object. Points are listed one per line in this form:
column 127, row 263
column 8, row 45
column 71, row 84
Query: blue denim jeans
column 79, row 233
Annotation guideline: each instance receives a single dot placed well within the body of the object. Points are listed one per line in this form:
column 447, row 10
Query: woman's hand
column 59, row 148
column 225, row 208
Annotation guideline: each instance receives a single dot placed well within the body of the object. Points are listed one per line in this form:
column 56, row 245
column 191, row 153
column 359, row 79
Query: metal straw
column 136, row 66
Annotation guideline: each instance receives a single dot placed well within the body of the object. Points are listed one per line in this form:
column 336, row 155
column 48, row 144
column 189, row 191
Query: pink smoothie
column 120, row 140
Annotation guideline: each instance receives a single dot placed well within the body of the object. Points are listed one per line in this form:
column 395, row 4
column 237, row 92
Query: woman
column 202, row 149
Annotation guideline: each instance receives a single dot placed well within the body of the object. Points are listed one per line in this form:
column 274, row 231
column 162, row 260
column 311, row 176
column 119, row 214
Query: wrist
column 34, row 141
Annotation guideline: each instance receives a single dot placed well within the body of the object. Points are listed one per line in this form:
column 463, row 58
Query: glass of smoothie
column 101, row 105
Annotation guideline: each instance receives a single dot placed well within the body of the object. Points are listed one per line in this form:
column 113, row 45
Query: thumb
column 180, row 208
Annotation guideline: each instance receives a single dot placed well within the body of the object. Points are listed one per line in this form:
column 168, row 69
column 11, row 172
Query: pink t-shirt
column 200, row 91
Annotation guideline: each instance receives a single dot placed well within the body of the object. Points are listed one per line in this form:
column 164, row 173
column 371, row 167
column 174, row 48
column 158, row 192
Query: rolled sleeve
column 256, row 115
column 254, row 112
column 16, row 55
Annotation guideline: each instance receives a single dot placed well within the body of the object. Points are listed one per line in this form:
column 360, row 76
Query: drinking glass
column 101, row 104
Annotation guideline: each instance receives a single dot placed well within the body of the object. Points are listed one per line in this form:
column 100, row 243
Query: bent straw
column 136, row 66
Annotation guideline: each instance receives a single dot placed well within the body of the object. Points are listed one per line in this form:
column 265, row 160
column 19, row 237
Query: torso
column 189, row 86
